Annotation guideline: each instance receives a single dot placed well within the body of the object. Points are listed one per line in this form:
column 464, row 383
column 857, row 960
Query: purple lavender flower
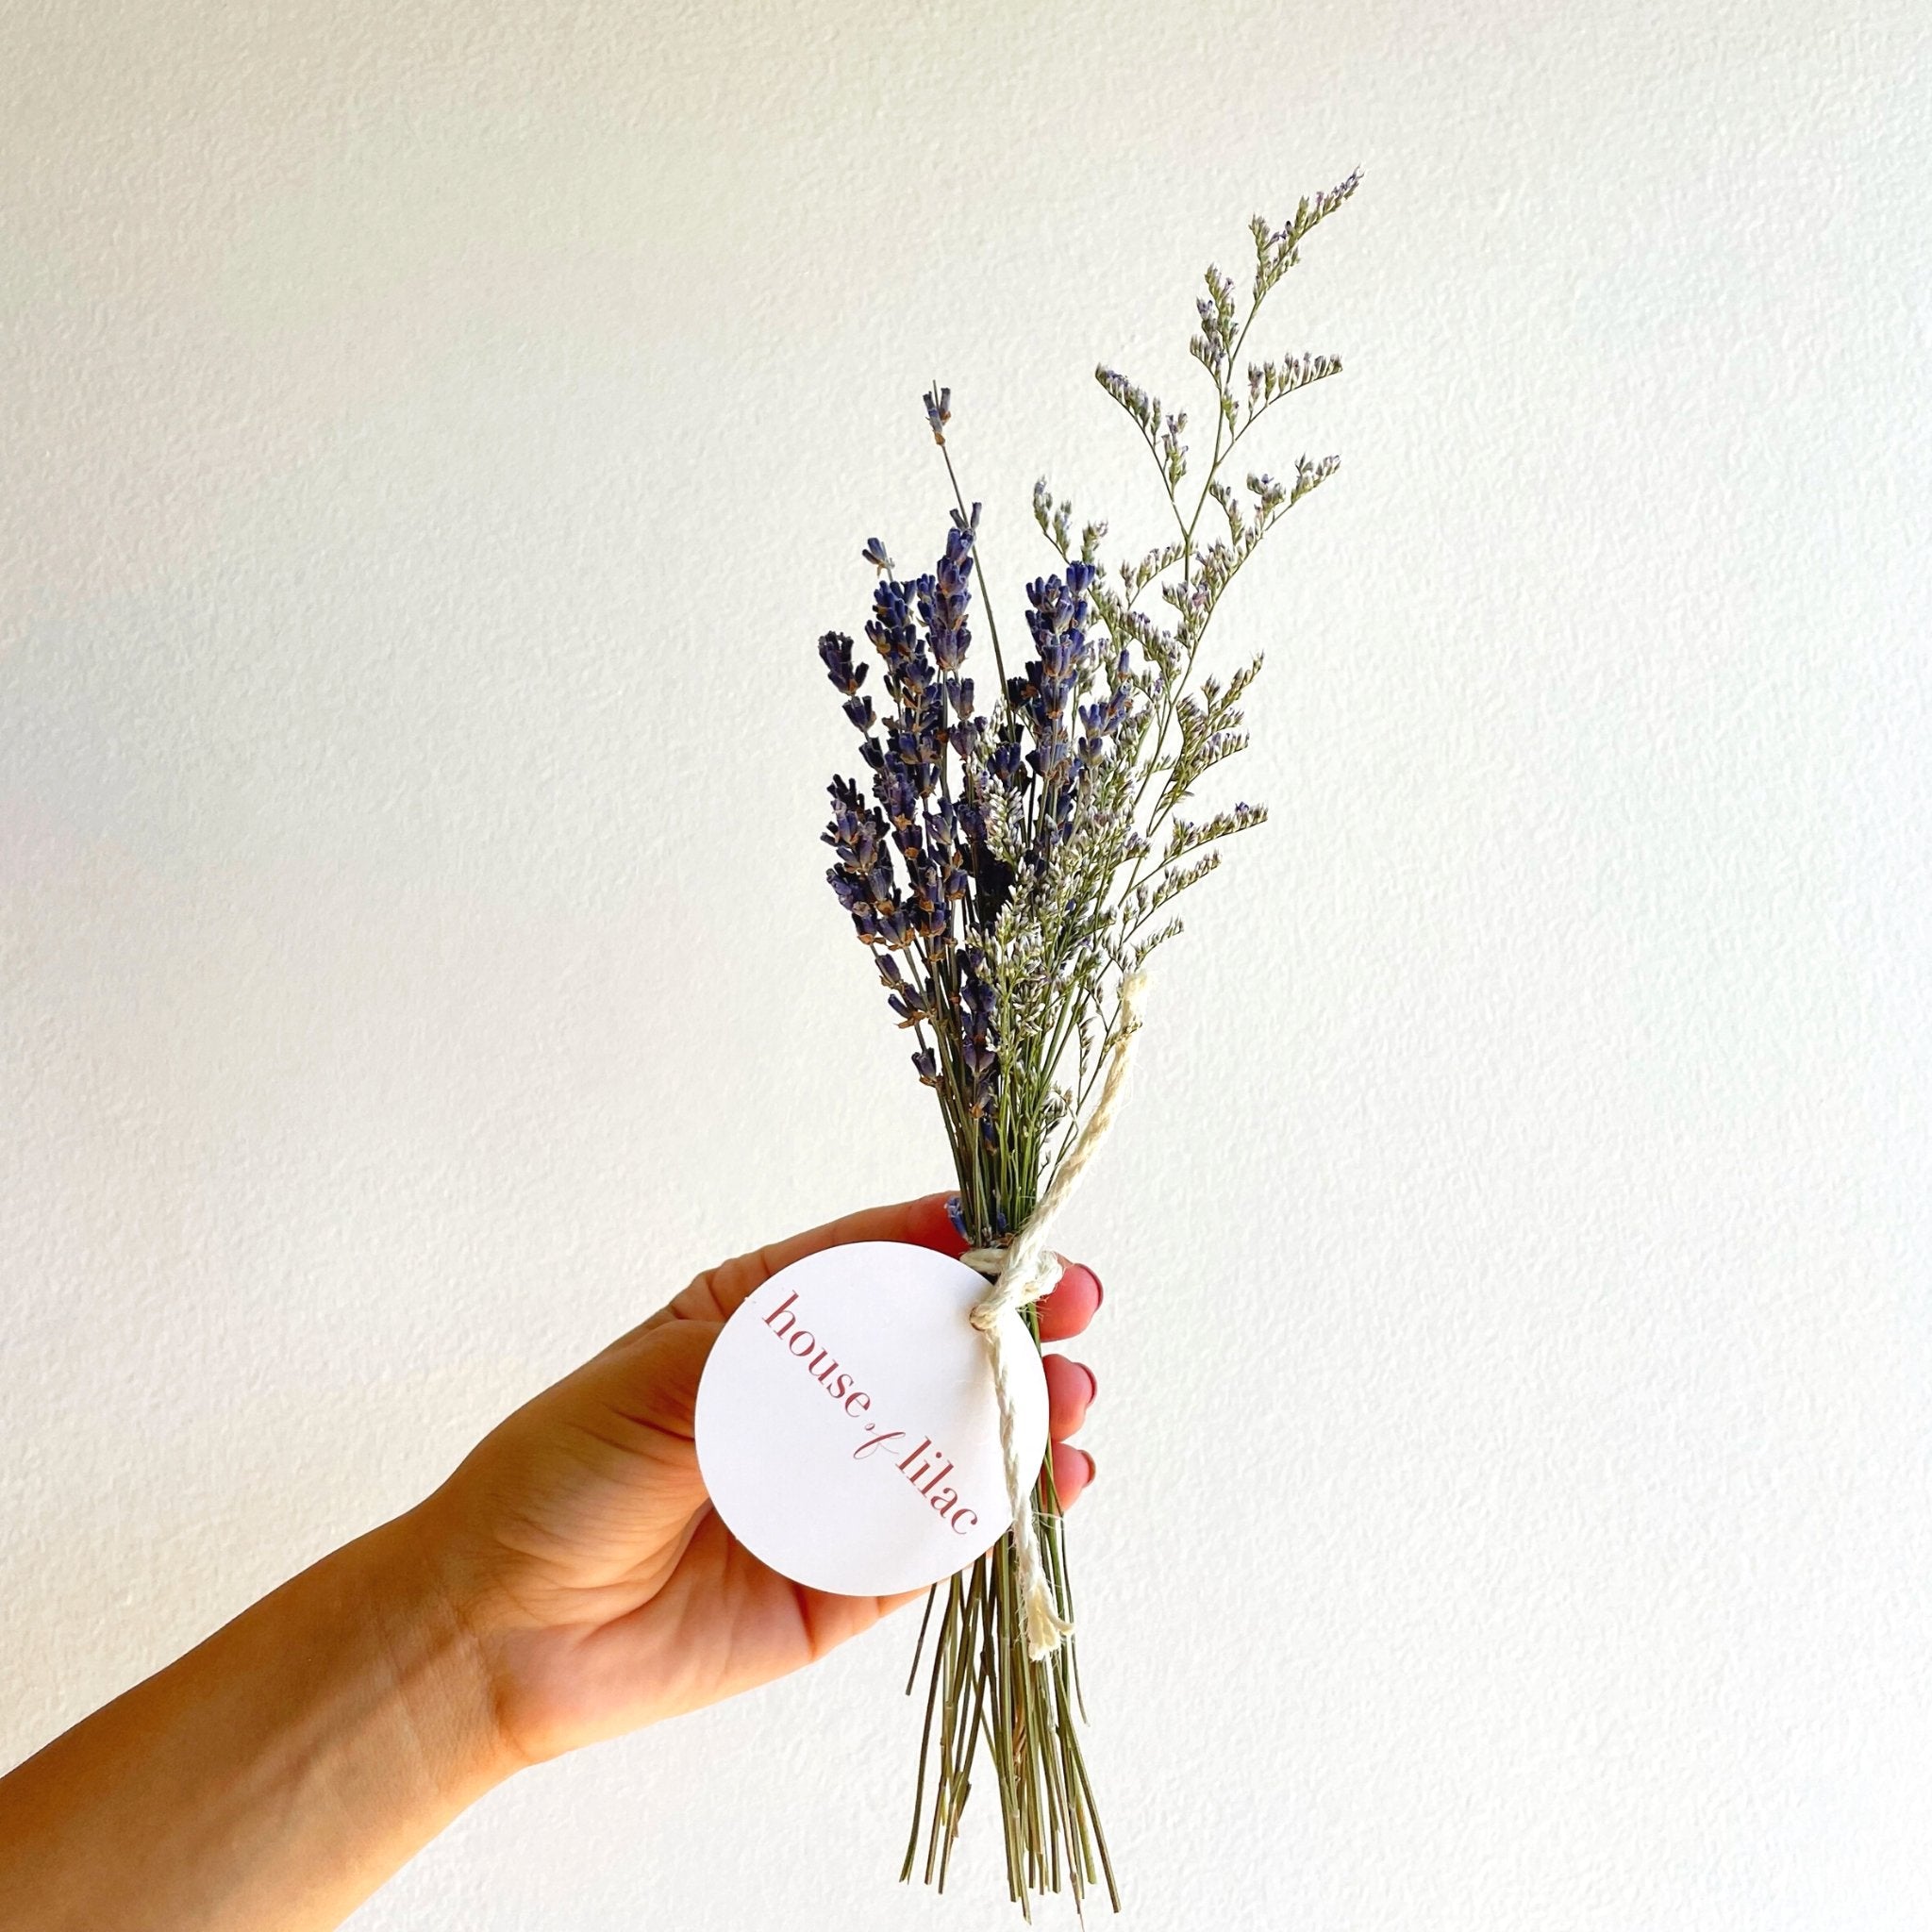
column 896, row 638
column 916, row 852
column 835, row 650
column 939, row 413
column 1008, row 764
column 942, row 600
column 978, row 1041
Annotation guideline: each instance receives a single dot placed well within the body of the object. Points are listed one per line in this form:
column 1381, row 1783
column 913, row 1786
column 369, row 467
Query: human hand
column 568, row 1581
column 575, row 1543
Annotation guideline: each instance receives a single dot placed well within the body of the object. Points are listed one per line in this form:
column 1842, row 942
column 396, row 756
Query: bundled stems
column 982, row 1686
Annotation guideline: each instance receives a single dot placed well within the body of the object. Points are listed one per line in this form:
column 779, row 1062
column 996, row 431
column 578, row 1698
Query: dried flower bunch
column 1008, row 868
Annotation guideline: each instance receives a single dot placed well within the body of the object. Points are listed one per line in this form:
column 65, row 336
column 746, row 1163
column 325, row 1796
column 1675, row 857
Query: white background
column 434, row 437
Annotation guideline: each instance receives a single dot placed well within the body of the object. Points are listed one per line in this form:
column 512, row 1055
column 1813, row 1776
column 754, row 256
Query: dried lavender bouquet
column 1011, row 870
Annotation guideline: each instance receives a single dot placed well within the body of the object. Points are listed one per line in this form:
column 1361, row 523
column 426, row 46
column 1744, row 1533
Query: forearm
column 271, row 1777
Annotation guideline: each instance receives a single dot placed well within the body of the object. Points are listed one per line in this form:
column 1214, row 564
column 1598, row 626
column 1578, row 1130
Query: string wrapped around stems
column 1020, row 1273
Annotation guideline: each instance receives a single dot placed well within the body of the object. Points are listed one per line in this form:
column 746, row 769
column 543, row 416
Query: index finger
column 715, row 1294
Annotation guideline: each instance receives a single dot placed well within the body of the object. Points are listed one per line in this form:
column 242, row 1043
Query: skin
column 567, row 1583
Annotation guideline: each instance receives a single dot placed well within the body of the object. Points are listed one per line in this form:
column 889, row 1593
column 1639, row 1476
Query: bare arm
column 568, row 1582
column 275, row 1775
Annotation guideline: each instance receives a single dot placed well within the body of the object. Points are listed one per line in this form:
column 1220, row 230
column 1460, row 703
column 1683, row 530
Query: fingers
column 716, row 1293
column 1070, row 1387
column 1073, row 1470
column 924, row 1221
column 1072, row 1304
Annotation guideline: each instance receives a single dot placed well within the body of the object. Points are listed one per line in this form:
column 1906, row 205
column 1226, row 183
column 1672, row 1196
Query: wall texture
column 434, row 437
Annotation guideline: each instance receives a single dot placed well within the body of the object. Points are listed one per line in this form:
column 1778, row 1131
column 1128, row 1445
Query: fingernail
column 1092, row 1467
column 1092, row 1380
column 1099, row 1289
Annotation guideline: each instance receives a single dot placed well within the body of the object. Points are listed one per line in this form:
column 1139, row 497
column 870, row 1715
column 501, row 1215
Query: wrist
column 275, row 1774
column 442, row 1678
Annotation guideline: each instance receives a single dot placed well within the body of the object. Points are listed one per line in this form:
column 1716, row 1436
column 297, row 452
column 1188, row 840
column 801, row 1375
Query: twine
column 1020, row 1273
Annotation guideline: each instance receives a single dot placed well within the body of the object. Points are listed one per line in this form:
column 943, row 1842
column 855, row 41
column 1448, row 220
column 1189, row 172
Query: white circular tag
column 846, row 1425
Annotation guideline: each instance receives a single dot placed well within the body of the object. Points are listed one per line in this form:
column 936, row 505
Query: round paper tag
column 847, row 1429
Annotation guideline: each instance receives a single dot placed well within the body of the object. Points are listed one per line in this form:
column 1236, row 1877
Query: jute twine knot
column 1021, row 1273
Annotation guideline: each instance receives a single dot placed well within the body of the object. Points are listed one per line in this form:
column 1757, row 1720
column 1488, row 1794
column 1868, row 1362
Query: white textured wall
column 434, row 437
